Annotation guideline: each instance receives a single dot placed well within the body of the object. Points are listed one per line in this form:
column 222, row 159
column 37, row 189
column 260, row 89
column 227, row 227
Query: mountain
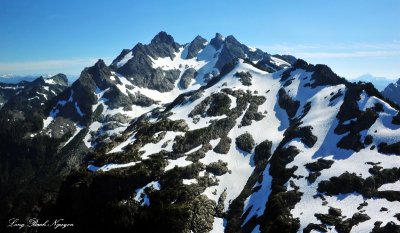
column 379, row 82
column 34, row 93
column 209, row 136
column 25, row 156
column 8, row 78
column 14, row 79
column 145, row 78
column 392, row 92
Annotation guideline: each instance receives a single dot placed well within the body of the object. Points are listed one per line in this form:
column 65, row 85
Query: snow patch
column 218, row 225
column 109, row 167
column 189, row 181
column 125, row 59
column 390, row 186
column 180, row 162
column 141, row 196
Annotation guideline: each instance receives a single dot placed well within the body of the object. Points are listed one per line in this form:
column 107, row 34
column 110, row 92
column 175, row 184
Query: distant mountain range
column 379, row 82
column 205, row 136
column 10, row 78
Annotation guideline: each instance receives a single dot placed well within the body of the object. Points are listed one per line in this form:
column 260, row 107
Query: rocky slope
column 392, row 92
column 218, row 137
column 38, row 89
column 253, row 151
column 26, row 156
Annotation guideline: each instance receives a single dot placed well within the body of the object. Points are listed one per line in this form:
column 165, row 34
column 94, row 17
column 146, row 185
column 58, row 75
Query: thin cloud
column 338, row 50
column 348, row 54
column 45, row 66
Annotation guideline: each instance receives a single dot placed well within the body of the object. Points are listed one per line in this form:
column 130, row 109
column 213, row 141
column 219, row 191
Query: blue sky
column 353, row 37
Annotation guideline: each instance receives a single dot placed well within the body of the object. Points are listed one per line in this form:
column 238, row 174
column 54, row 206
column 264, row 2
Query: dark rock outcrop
column 217, row 168
column 262, row 151
column 195, row 46
column 245, row 142
column 316, row 167
column 350, row 182
column 389, row 148
column 217, row 41
column 286, row 102
column 223, row 146
column 319, row 165
column 215, row 105
column 187, row 78
column 323, row 75
column 244, row 78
